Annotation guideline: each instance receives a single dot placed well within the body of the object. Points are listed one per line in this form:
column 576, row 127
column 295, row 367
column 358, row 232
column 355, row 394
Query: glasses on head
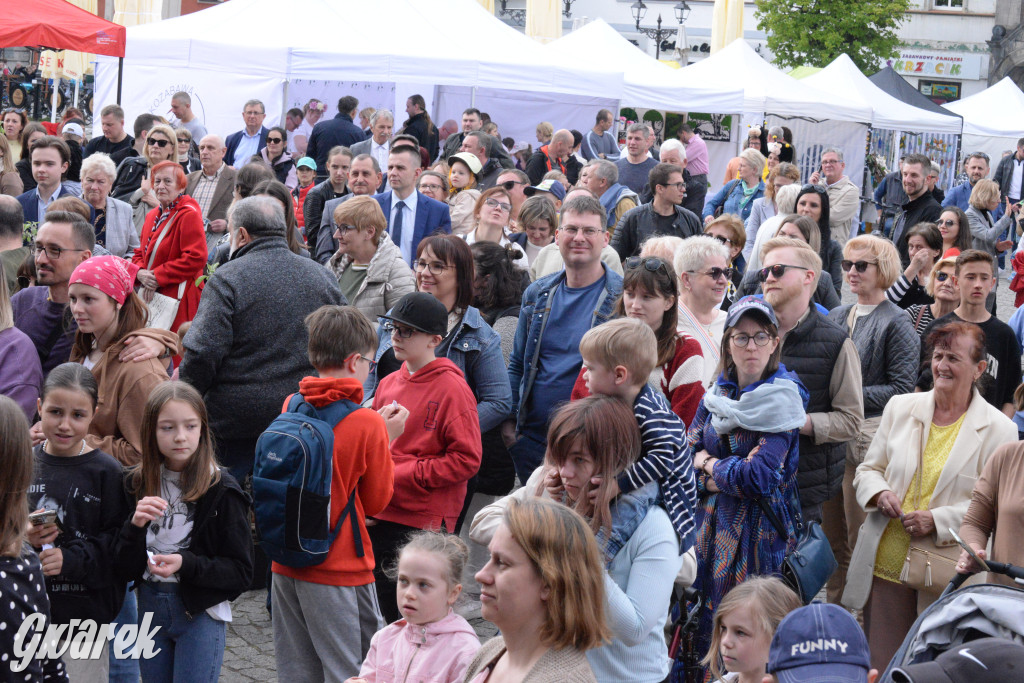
column 52, row 253
column 158, row 142
column 716, row 273
column 651, row 263
column 948, row 223
column 572, row 231
column 742, row 341
column 274, row 141
column 942, row 277
column 495, row 204
column 510, row 185
column 820, row 189
column 723, row 239
column 401, row 330
column 776, row 271
column 861, row 266
column 435, row 268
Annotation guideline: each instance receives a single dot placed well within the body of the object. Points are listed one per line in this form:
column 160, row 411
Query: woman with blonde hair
column 986, row 232
column 10, row 181
column 766, row 207
column 944, row 289
column 544, row 132
column 738, row 195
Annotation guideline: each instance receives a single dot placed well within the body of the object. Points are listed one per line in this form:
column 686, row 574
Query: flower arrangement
column 876, row 166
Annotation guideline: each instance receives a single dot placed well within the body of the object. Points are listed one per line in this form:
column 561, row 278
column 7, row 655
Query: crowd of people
column 570, row 376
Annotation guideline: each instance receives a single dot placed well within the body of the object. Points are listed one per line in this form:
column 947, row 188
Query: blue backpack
column 291, row 484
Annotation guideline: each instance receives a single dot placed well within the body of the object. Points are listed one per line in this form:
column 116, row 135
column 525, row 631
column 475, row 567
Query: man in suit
column 212, row 188
column 378, row 145
column 51, row 157
column 338, row 132
column 411, row 215
column 243, row 144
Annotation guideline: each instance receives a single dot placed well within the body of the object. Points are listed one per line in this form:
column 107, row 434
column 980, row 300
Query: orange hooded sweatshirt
column 361, row 458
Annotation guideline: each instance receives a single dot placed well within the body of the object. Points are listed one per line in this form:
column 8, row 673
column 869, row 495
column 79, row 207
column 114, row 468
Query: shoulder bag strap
column 920, row 316
column 159, row 241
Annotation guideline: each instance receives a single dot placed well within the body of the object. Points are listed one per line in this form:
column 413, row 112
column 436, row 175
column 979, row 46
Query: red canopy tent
column 59, row 25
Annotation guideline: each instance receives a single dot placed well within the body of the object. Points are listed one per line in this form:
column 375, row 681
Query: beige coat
column 891, row 465
column 461, row 206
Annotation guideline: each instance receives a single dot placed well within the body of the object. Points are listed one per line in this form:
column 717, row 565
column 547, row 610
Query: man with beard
column 922, row 207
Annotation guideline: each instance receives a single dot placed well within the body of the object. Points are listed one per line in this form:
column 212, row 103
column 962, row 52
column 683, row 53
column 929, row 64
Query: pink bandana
column 111, row 275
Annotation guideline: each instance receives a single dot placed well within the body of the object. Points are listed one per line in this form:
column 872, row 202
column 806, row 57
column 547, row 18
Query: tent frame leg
column 120, row 77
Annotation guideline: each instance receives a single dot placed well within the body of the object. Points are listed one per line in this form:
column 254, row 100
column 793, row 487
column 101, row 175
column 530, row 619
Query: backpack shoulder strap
column 334, row 413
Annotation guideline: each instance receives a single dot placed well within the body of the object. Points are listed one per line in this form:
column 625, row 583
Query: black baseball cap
column 986, row 660
column 422, row 312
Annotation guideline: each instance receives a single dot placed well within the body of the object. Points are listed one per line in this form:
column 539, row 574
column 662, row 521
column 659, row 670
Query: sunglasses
column 820, row 189
column 510, row 185
column 948, row 223
column 776, row 271
column 158, row 142
column 716, row 273
column 274, row 141
column 861, row 266
column 942, row 277
column 651, row 263
column 724, row 240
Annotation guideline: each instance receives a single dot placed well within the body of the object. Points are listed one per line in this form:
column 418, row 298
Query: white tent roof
column 648, row 82
column 996, row 111
column 842, row 78
column 768, row 90
column 376, row 41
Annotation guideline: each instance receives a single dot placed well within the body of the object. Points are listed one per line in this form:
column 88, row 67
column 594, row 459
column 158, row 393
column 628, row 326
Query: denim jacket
column 628, row 510
column 533, row 317
column 476, row 349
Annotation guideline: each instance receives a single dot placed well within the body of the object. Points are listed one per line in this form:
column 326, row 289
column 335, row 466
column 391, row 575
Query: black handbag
column 808, row 567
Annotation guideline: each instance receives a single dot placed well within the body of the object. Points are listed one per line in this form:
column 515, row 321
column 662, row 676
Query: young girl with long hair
column 188, row 543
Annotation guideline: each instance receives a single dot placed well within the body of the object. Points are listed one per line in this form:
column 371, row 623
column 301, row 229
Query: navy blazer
column 232, row 144
column 30, row 202
column 431, row 216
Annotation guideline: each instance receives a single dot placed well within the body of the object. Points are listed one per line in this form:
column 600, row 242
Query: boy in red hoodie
column 439, row 449
column 325, row 615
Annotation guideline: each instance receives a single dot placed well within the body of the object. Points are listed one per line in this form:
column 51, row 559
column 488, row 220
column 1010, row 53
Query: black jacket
column 1004, row 178
column 218, row 564
column 922, row 209
column 326, row 135
column 130, row 173
column 313, row 208
column 420, row 128
column 636, row 225
column 692, row 200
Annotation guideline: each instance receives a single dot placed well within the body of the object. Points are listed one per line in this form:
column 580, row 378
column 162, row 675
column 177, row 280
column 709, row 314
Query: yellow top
column 892, row 549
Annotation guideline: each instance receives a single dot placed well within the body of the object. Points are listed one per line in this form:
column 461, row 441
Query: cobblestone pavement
column 249, row 655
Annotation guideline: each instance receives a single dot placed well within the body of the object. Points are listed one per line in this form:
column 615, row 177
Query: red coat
column 180, row 257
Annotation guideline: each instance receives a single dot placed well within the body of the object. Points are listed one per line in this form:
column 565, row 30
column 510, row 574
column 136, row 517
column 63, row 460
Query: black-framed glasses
column 716, row 273
column 861, row 266
column 402, row 331
column 651, row 263
column 343, row 229
column 274, row 141
column 723, row 239
column 52, row 253
column 510, row 185
column 182, row 138
column 776, row 271
column 495, row 204
column 158, row 142
column 369, row 361
column 942, row 276
column 435, row 268
column 742, row 341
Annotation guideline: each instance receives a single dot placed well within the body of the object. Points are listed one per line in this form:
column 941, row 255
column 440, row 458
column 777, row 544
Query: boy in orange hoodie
column 325, row 615
column 439, row 449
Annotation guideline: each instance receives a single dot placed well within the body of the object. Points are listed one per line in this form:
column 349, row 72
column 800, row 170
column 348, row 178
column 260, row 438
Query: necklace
column 47, row 441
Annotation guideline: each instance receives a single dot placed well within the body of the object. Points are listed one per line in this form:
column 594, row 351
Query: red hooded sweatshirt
column 440, row 449
column 361, row 457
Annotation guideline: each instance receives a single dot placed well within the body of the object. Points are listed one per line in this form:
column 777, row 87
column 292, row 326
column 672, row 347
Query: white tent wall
column 810, row 138
column 989, row 144
column 517, row 113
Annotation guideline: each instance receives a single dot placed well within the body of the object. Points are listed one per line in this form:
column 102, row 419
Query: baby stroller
column 959, row 616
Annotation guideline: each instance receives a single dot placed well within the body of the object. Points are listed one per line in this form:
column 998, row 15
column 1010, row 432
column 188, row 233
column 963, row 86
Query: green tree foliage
column 815, row 32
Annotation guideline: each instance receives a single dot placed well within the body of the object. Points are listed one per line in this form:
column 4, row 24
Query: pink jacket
column 435, row 653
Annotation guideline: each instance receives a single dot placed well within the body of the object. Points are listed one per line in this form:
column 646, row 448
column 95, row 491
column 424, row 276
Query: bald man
column 212, row 187
column 550, row 157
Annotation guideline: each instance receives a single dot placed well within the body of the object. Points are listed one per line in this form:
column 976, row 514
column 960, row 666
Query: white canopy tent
column 993, row 119
column 842, row 78
column 647, row 82
column 246, row 49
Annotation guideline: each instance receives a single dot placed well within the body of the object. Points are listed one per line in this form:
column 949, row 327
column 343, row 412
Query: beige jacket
column 554, row 666
column 461, row 207
column 891, row 465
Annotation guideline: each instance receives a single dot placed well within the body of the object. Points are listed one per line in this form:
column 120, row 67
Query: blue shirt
column 558, row 358
column 247, row 147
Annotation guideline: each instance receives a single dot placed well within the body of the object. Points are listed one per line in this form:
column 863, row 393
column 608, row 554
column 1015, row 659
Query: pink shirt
column 696, row 156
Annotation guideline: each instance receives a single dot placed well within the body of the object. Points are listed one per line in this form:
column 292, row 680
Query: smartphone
column 42, row 517
column 970, row 550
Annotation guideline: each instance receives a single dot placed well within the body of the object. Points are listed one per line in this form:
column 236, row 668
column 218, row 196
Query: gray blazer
column 122, row 239
column 362, row 148
column 985, row 232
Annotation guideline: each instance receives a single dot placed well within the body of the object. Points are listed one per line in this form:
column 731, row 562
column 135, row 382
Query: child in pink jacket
column 432, row 644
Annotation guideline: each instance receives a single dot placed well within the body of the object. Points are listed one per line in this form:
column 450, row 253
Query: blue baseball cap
column 819, row 642
column 751, row 304
column 550, row 185
column 306, row 162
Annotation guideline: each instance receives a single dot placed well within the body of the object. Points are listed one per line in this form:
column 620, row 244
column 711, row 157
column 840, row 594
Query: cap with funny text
column 819, row 642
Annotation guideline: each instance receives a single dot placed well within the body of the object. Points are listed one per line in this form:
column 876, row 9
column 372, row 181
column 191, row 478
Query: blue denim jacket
column 729, row 198
column 628, row 510
column 533, row 316
column 476, row 348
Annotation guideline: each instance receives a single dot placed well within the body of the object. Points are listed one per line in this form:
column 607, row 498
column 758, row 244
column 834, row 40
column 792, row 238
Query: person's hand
column 508, row 433
column 220, row 225
column 1003, row 245
column 613, row 488
column 708, row 219
column 36, row 432
column 888, row 504
column 41, row 534
column 808, row 428
column 165, row 566
column 920, row 262
column 1012, row 207
column 137, row 349
column 52, row 560
column 553, row 483
column 967, row 565
column 148, row 509
column 148, row 198
column 394, row 416
column 146, row 278
column 147, row 294
column 919, row 523
column 815, row 178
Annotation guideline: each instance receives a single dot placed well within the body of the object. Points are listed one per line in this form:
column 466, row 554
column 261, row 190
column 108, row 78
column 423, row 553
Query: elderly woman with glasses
column 728, row 229
column 737, row 196
column 491, row 213
column 189, row 162
column 276, row 155
column 111, row 218
column 702, row 264
column 889, row 350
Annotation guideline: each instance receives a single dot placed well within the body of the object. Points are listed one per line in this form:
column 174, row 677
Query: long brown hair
column 131, row 317
column 15, row 477
column 662, row 282
column 201, row 471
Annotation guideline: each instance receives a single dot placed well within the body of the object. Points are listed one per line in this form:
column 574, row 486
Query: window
column 957, row 5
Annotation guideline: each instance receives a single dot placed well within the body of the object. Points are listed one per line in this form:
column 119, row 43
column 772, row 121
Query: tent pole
column 284, row 102
column 76, row 92
column 472, row 97
column 53, row 100
column 120, row 75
